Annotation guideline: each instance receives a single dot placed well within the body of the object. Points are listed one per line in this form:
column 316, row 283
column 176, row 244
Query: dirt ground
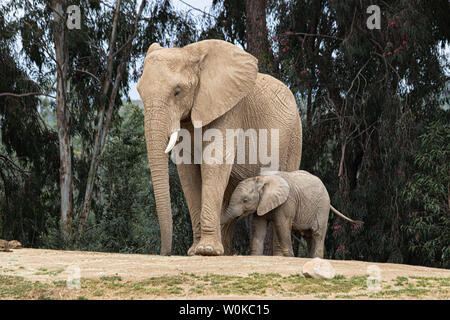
column 50, row 265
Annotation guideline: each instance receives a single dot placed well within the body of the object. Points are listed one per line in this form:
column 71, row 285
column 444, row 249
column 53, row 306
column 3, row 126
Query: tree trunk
column 63, row 116
column 104, row 123
column 102, row 132
column 257, row 34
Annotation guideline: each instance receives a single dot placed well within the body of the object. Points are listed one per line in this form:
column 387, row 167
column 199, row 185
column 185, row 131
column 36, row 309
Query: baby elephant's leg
column 259, row 234
column 319, row 231
column 283, row 233
column 277, row 250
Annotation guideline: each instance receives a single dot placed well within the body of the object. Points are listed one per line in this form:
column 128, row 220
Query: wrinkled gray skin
column 294, row 200
column 211, row 84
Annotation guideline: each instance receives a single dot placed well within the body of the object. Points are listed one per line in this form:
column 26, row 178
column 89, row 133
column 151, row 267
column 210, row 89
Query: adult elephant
column 211, row 84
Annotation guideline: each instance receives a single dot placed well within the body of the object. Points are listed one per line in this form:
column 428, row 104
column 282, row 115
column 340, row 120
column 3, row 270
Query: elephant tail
column 358, row 222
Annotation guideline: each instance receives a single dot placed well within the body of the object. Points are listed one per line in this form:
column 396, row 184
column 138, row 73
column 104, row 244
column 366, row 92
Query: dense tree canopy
column 374, row 106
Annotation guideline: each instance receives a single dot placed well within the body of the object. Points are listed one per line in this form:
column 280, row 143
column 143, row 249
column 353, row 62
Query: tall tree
column 61, row 58
column 116, row 50
column 34, row 31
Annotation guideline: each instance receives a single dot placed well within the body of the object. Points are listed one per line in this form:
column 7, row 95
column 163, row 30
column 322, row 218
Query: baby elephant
column 294, row 200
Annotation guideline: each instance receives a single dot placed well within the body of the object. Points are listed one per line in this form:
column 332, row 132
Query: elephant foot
column 191, row 250
column 209, row 247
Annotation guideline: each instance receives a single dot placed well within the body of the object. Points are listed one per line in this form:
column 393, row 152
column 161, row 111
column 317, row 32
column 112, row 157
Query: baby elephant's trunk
column 227, row 216
column 358, row 222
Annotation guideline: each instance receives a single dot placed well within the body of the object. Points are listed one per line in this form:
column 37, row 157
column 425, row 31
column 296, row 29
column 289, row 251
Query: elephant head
column 259, row 194
column 200, row 82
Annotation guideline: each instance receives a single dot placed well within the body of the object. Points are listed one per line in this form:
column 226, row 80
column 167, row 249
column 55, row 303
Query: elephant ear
column 227, row 74
column 154, row 47
column 273, row 192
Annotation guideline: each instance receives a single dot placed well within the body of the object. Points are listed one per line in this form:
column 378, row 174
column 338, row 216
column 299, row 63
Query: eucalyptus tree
column 83, row 55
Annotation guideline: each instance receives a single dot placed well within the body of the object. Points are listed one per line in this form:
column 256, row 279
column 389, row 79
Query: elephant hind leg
column 282, row 235
column 294, row 152
column 315, row 245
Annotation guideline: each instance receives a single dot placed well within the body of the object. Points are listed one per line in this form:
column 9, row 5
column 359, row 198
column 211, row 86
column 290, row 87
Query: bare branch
column 197, row 9
column 12, row 165
column 87, row 72
column 357, row 75
column 310, row 35
column 112, row 40
column 20, row 95
column 132, row 36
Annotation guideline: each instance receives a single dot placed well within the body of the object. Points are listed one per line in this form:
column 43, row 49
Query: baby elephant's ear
column 273, row 192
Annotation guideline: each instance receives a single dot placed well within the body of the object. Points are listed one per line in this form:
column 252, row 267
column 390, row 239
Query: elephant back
column 312, row 196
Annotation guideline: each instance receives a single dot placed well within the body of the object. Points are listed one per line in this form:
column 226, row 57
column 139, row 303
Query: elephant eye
column 177, row 92
column 245, row 200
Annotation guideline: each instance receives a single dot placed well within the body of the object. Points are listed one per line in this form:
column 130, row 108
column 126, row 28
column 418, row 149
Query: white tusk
column 173, row 139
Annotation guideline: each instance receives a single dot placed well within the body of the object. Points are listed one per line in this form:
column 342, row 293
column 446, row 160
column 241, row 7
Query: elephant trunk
column 227, row 223
column 228, row 215
column 157, row 138
column 227, row 230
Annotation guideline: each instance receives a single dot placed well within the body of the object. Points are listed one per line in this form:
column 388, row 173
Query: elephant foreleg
column 191, row 183
column 259, row 234
column 277, row 250
column 214, row 182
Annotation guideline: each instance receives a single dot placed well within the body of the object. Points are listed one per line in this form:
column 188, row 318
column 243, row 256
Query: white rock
column 318, row 269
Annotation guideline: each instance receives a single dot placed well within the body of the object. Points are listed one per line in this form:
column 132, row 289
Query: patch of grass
column 401, row 281
column 415, row 288
column 60, row 283
column 99, row 293
column 14, row 287
column 307, row 286
column 255, row 284
column 433, row 283
column 111, row 278
column 199, row 289
column 345, row 296
column 408, row 292
column 444, row 282
column 45, row 272
column 110, row 282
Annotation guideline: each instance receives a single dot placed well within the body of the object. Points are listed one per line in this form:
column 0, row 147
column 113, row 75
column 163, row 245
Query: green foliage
column 28, row 152
column 365, row 97
column 125, row 217
column 29, row 135
column 428, row 194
